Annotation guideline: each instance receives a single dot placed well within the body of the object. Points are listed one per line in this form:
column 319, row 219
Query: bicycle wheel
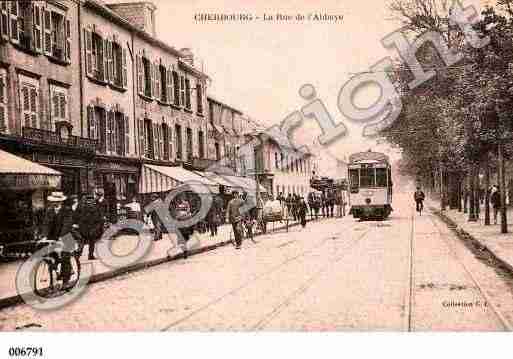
column 44, row 278
column 75, row 270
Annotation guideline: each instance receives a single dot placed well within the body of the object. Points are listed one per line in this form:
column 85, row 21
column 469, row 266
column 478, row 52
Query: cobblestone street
column 406, row 273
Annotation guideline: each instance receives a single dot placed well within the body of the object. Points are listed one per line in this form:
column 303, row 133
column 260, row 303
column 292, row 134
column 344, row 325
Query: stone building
column 40, row 93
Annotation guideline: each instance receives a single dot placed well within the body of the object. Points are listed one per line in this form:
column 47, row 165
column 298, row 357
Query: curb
column 460, row 231
column 100, row 277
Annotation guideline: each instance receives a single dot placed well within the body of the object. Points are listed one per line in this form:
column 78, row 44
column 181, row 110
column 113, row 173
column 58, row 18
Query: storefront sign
column 25, row 181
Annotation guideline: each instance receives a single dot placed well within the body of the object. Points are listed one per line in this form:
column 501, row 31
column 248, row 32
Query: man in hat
column 58, row 222
column 234, row 216
column 91, row 224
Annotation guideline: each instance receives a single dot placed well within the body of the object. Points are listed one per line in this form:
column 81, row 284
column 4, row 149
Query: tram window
column 354, row 178
column 381, row 177
column 367, row 177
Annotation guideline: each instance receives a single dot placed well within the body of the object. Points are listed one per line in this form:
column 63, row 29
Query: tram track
column 263, row 275
column 506, row 324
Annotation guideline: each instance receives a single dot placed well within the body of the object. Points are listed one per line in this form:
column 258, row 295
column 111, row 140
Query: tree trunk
column 472, row 210
column 487, row 190
column 502, row 188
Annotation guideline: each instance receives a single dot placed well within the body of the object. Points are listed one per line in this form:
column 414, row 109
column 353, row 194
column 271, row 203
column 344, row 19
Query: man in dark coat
column 235, row 218
column 57, row 223
column 302, row 208
column 495, row 200
column 92, row 223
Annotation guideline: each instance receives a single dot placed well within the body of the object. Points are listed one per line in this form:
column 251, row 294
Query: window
column 182, row 90
column 189, row 144
column 201, row 144
column 148, row 76
column 119, row 65
column 218, row 151
column 381, row 177
column 59, row 104
column 148, row 136
column 178, row 134
column 165, row 138
column 29, row 92
column 4, row 20
column 100, row 126
column 199, row 98
column 176, row 82
column 97, row 57
column 163, row 84
column 367, row 177
column 276, row 163
column 3, row 99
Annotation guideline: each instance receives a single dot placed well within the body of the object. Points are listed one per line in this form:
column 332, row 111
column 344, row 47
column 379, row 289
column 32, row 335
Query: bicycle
column 48, row 279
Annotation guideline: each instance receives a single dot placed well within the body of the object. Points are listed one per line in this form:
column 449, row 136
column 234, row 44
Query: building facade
column 40, row 92
column 88, row 89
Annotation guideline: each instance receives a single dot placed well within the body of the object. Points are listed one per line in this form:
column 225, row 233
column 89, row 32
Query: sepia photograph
column 230, row 166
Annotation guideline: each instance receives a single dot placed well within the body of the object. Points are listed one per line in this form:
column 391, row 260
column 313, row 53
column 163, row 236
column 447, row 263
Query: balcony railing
column 40, row 136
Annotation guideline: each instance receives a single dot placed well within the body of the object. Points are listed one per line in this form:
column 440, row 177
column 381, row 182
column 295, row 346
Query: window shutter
column 142, row 152
column 106, row 62
column 182, row 90
column 47, row 27
column 127, row 135
column 88, row 39
column 4, row 19
column 25, row 103
column 152, row 78
column 187, row 93
column 55, row 105
column 140, row 77
column 155, row 141
column 92, row 123
column 33, row 107
column 68, row 41
column 110, row 131
column 170, row 139
column 3, row 101
column 15, row 10
column 124, row 72
column 157, row 82
column 37, row 31
column 63, row 105
column 169, row 85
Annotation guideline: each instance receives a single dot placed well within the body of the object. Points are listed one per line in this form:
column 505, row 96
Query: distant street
column 407, row 273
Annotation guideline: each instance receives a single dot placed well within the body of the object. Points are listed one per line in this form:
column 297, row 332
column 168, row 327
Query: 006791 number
column 18, row 352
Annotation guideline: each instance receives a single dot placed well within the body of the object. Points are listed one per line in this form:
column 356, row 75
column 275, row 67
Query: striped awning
column 17, row 173
column 156, row 179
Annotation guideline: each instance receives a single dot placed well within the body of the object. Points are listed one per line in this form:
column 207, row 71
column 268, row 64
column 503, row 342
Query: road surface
column 409, row 273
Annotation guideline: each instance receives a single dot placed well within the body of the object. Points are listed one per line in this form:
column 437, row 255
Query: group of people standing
column 323, row 203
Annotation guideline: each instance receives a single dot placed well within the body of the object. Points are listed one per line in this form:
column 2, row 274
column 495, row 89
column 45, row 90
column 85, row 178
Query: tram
column 370, row 185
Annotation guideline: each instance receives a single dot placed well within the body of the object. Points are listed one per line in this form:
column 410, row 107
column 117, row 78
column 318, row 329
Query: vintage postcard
column 237, row 166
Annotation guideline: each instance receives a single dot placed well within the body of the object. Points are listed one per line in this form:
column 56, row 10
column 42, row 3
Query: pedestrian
column 324, row 205
column 288, row 203
column 91, row 224
column 155, row 220
column 234, row 216
column 495, row 200
column 183, row 213
column 134, row 209
column 313, row 204
column 302, row 209
column 75, row 207
column 280, row 197
column 212, row 218
column 331, row 201
column 57, row 223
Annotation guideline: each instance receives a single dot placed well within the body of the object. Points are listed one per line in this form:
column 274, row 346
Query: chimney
column 140, row 14
column 188, row 56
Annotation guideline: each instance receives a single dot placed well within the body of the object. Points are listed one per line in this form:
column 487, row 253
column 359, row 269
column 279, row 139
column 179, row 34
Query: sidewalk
column 162, row 251
column 490, row 237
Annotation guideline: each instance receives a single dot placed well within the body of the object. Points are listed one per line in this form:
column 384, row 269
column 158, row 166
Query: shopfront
column 24, row 186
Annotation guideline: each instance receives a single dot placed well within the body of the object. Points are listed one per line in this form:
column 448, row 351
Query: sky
column 259, row 66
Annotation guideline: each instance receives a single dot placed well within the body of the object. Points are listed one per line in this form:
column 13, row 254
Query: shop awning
column 156, row 179
column 233, row 182
column 17, row 173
